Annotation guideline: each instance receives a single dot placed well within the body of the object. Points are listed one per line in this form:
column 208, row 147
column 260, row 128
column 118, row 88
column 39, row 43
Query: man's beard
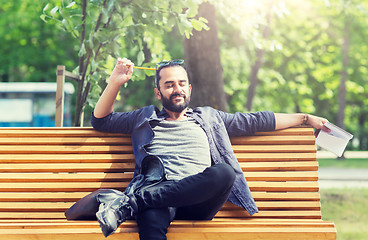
column 169, row 105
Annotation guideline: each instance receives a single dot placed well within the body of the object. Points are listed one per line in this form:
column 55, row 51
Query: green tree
column 104, row 26
column 303, row 61
column 30, row 50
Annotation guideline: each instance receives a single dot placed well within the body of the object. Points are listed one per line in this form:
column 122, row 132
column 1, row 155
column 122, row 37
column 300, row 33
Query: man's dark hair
column 171, row 64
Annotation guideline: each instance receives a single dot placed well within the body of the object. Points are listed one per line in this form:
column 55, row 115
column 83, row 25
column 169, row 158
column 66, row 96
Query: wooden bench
column 43, row 171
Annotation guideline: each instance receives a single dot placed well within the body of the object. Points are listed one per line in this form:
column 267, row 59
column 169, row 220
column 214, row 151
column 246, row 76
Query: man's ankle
column 133, row 203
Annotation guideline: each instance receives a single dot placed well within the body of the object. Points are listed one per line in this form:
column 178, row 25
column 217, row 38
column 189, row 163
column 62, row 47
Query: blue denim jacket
column 218, row 126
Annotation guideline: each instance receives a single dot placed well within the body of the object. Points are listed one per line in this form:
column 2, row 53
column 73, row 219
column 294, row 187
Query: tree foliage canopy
column 301, row 42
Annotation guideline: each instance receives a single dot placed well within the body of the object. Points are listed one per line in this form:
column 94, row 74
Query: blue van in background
column 26, row 104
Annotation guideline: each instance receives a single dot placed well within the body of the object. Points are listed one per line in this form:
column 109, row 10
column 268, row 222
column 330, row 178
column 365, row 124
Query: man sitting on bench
column 185, row 165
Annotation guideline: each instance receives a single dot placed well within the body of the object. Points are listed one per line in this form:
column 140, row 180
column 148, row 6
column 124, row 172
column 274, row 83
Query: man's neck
column 175, row 116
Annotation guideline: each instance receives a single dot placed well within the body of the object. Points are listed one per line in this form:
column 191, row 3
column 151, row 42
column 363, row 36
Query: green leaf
column 65, row 24
column 111, row 5
column 185, row 22
column 171, row 22
column 46, row 7
column 140, row 58
column 43, row 17
column 205, row 27
column 204, row 23
column 94, row 65
column 177, row 7
column 192, row 12
column 181, row 28
column 54, row 10
column 149, row 73
column 82, row 51
column 104, row 16
column 202, row 19
column 90, row 43
column 196, row 24
column 188, row 34
column 70, row 5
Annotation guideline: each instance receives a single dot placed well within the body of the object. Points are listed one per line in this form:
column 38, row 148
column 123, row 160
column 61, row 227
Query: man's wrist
column 305, row 119
column 115, row 83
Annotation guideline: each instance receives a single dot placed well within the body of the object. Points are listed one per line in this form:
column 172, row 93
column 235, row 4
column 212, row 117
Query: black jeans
column 197, row 197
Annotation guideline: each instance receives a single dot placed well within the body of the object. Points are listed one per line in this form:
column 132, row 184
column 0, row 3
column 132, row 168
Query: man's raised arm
column 121, row 74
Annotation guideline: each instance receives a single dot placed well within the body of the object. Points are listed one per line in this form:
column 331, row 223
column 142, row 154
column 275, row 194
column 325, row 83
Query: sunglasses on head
column 165, row 63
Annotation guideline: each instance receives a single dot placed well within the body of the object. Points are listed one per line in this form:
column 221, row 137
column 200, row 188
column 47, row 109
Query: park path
column 332, row 177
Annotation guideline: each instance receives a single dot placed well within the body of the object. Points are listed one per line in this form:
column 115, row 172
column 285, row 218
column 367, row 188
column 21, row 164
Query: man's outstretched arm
column 285, row 120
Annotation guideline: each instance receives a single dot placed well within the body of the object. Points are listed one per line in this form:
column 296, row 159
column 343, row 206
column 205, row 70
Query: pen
column 145, row 68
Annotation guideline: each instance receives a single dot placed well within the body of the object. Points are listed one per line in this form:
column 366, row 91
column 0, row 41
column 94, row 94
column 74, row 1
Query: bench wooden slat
column 66, row 158
column 184, row 233
column 288, row 214
column 274, row 148
column 87, row 186
column 55, row 132
column 65, row 141
column 66, row 177
column 111, row 167
column 284, row 186
column 82, row 153
column 274, row 214
column 77, row 131
column 65, row 149
column 57, row 187
column 75, row 186
column 41, row 196
column 281, row 176
column 281, row 166
column 104, row 177
column 179, row 223
column 75, row 196
column 200, row 234
column 62, row 206
column 78, row 149
column 280, row 196
column 307, row 214
column 302, row 130
column 69, row 167
column 31, row 215
column 279, row 140
column 216, row 221
column 257, row 157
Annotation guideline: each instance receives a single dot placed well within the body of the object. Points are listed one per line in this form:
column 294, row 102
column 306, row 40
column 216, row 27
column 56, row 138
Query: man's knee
column 223, row 174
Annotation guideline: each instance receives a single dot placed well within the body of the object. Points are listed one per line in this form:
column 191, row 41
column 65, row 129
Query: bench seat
column 43, row 171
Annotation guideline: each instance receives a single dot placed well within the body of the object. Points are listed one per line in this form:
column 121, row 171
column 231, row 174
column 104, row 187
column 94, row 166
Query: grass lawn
column 347, row 163
column 348, row 209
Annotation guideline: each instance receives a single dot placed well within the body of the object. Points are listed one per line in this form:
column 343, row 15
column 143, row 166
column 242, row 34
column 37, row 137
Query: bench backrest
column 43, row 171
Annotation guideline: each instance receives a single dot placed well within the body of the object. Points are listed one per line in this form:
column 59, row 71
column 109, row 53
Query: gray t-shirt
column 182, row 146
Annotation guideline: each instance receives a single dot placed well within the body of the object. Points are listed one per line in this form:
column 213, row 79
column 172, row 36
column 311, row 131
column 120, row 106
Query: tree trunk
column 363, row 134
column 149, row 82
column 80, row 86
column 344, row 75
column 253, row 78
column 202, row 59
